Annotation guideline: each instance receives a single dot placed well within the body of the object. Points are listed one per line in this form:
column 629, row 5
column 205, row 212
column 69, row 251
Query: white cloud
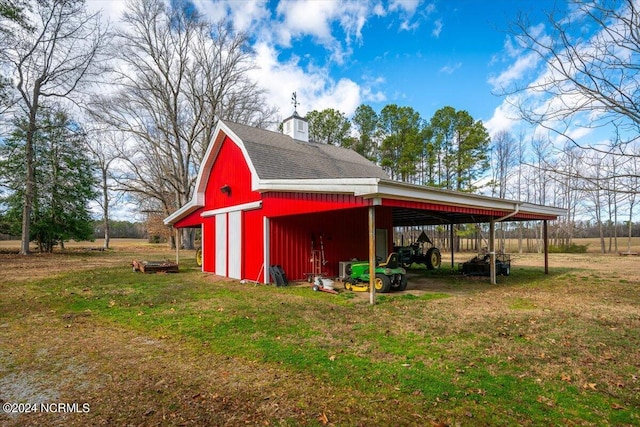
column 450, row 69
column 315, row 89
column 343, row 96
column 111, row 9
column 243, row 14
column 407, row 9
column 316, row 19
column 408, row 6
column 437, row 28
column 369, row 95
column 378, row 10
column 515, row 71
column 307, row 17
column 505, row 118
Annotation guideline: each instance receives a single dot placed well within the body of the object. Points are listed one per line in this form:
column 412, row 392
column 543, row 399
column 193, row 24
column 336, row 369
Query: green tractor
column 413, row 253
column 388, row 276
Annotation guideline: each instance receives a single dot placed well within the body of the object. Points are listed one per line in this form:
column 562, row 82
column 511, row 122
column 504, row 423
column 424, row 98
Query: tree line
column 92, row 114
column 451, row 150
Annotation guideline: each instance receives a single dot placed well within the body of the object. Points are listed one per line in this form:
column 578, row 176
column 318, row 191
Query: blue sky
column 340, row 54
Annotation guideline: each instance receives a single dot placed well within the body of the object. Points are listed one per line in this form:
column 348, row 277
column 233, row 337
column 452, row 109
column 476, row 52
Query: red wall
column 208, row 244
column 229, row 169
column 344, row 235
column 280, row 203
column 253, row 245
column 191, row 220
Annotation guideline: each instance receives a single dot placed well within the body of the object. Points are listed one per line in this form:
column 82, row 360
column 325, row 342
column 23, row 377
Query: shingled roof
column 278, row 156
column 280, row 163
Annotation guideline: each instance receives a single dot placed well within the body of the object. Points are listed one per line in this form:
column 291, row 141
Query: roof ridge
column 279, row 156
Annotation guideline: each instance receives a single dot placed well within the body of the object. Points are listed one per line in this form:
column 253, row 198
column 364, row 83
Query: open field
column 192, row 349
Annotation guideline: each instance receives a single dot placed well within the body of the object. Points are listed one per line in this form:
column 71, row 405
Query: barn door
column 235, row 245
column 221, row 244
column 229, row 244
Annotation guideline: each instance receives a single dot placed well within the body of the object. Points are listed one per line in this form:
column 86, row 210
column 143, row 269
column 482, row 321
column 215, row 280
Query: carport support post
column 372, row 254
column 545, row 232
column 453, row 249
column 492, row 251
column 177, row 245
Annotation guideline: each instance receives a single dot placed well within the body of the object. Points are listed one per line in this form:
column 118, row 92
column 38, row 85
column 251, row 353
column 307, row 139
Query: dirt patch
column 77, row 256
column 131, row 379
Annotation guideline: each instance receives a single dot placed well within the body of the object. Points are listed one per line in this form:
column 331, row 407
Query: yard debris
column 323, row 419
column 154, row 266
column 546, row 401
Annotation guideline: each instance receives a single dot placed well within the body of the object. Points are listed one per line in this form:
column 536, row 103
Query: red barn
column 266, row 198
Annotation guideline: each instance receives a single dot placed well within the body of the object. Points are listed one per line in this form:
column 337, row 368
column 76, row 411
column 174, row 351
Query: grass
column 533, row 350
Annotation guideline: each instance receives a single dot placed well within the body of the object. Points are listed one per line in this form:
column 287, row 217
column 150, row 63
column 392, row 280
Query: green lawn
column 533, row 350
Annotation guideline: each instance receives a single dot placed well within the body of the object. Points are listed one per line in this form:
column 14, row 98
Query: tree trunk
column 105, row 209
column 29, row 182
column 188, row 238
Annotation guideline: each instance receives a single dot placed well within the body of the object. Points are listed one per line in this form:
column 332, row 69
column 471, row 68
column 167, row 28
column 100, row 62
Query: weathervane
column 294, row 99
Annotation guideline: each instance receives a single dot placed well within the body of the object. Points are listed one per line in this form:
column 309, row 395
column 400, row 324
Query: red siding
column 192, row 220
column 344, row 236
column 253, row 245
column 281, row 203
column 208, row 244
column 229, row 169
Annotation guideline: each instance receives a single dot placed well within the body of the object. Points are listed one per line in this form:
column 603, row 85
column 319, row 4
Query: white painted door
column 221, row 244
column 235, row 245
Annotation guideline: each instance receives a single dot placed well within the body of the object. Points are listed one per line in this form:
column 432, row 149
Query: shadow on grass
column 452, row 279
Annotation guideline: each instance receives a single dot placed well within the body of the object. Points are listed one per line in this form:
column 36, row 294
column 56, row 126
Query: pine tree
column 63, row 176
column 458, row 150
column 401, row 144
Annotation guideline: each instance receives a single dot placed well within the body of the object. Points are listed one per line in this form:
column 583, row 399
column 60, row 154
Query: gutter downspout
column 509, row 215
column 492, row 245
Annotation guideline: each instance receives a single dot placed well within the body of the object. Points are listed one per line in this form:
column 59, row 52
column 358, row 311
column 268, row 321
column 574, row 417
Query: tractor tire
column 403, row 283
column 434, row 259
column 199, row 257
column 382, row 283
column 347, row 285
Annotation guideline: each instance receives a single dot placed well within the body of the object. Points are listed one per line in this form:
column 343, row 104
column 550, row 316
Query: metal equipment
column 323, row 285
column 480, row 265
column 388, row 276
column 414, row 254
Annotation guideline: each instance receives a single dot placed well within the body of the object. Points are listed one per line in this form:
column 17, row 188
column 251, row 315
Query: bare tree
column 591, row 57
column 596, row 195
column 504, row 159
column 103, row 145
column 177, row 76
column 569, row 190
column 52, row 58
column 633, row 182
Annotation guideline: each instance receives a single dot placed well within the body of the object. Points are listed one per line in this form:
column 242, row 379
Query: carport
column 417, row 205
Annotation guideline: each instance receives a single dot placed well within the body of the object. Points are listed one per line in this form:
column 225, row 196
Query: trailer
column 480, row 265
